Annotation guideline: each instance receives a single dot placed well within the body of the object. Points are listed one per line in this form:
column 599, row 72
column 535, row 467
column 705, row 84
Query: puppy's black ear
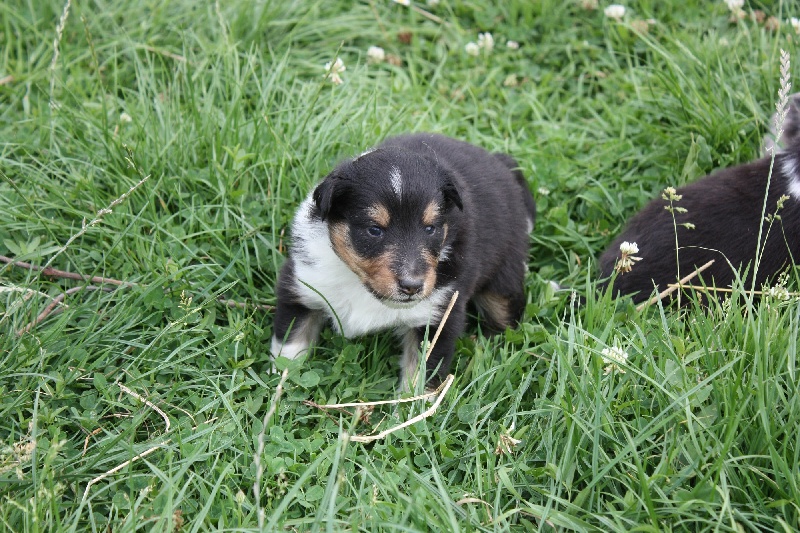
column 451, row 195
column 324, row 193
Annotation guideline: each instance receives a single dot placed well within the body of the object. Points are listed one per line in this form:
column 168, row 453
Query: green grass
column 233, row 122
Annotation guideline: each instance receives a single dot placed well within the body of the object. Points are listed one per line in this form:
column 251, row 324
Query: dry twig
column 441, row 324
column 673, row 287
column 89, row 436
column 440, row 392
column 145, row 453
column 63, row 274
column 51, row 307
column 148, row 403
column 725, row 290
column 120, row 467
column 260, row 449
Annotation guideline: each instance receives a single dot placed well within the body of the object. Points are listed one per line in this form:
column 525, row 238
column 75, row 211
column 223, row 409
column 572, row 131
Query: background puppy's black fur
column 726, row 210
column 387, row 237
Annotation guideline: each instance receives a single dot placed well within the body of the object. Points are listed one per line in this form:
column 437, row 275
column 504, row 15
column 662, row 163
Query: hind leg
column 501, row 301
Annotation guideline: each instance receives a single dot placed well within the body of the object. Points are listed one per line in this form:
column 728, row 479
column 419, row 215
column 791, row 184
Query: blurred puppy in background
column 719, row 217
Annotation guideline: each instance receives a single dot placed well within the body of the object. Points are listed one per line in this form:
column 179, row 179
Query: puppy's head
column 390, row 214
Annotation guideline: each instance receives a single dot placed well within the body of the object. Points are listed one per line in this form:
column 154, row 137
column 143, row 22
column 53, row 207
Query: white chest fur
column 325, row 283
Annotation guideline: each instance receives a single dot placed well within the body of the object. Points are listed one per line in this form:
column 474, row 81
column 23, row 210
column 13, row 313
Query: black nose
column 410, row 285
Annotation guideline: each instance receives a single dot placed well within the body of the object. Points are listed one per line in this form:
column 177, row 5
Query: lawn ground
column 166, row 144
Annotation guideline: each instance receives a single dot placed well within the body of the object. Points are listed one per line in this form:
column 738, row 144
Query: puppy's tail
column 530, row 203
column 791, row 128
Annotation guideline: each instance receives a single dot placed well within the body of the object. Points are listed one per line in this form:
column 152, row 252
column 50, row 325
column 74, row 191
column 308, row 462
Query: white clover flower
column 615, row 11
column 795, row 22
column 376, row 54
column 734, row 5
column 544, row 191
column 512, row 45
column 403, row 2
column 472, row 49
column 486, row 41
column 333, row 69
column 629, row 248
column 627, row 259
column 613, row 357
column 124, row 117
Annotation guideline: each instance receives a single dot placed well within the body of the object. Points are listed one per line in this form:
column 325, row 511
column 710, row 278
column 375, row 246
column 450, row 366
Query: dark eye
column 375, row 231
column 430, row 230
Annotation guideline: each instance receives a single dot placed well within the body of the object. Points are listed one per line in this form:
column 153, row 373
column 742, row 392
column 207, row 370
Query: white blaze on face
column 397, row 181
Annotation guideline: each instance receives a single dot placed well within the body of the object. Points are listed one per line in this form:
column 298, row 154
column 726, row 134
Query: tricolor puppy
column 726, row 211
column 386, row 239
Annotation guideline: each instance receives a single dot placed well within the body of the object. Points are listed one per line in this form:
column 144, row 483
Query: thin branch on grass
column 469, row 499
column 363, row 414
column 428, row 15
column 725, row 290
column 441, row 324
column 120, row 467
column 54, row 309
column 440, row 392
column 165, row 53
column 51, row 272
column 243, row 305
column 148, row 403
column 63, row 274
column 260, row 449
column 340, row 406
column 145, row 453
column 673, row 287
column 89, row 436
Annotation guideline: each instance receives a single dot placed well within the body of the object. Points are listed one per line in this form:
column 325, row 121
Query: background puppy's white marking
column 397, row 181
column 789, row 167
column 794, row 188
column 365, row 152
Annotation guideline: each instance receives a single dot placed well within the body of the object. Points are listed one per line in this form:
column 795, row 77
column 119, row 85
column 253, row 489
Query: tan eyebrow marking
column 380, row 215
column 430, row 214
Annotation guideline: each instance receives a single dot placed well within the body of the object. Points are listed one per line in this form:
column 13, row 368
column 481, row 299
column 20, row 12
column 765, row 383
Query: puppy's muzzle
column 410, row 285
